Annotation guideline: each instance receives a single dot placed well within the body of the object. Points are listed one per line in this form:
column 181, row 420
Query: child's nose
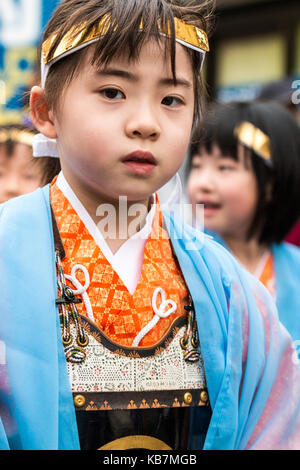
column 143, row 124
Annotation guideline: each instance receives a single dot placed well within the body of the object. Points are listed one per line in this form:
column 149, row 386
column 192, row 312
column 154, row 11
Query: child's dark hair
column 278, row 206
column 50, row 167
column 123, row 35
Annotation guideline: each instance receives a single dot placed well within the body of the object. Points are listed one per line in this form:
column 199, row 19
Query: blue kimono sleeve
column 249, row 357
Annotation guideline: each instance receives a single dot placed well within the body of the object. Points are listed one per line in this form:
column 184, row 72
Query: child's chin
column 211, row 227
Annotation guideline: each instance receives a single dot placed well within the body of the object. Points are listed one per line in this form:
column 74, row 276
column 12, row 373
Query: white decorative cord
column 81, row 290
column 159, row 313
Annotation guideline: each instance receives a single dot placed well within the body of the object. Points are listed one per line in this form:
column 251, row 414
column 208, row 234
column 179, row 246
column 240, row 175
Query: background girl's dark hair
column 123, row 36
column 278, row 206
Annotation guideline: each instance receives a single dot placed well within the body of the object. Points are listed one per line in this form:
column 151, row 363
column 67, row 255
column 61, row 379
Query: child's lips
column 209, row 207
column 140, row 162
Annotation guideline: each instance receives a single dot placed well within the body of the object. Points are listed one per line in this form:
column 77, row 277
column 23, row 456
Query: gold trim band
column 78, row 36
column 136, row 442
column 255, row 139
column 141, row 399
column 16, row 135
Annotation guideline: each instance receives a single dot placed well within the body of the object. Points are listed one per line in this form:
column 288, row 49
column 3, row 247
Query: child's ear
column 42, row 117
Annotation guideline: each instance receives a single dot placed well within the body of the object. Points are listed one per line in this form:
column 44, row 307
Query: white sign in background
column 20, row 22
column 2, row 92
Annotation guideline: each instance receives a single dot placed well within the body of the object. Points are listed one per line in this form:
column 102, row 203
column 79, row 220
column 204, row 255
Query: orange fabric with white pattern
column 118, row 314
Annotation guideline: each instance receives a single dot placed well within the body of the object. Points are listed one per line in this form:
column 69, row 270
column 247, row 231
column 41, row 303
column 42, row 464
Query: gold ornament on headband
column 16, row 135
column 78, row 36
column 254, row 139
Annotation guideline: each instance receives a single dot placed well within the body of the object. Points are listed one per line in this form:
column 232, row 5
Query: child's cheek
column 241, row 203
column 192, row 187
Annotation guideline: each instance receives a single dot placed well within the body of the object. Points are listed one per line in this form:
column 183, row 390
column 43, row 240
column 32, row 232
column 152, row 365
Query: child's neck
column 248, row 253
column 117, row 226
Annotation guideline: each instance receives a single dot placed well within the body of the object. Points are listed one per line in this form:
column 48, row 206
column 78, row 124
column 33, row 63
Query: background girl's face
column 228, row 190
column 18, row 172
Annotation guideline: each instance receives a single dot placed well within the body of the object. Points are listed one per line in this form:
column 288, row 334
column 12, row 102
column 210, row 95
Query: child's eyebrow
column 108, row 71
column 117, row 73
column 178, row 81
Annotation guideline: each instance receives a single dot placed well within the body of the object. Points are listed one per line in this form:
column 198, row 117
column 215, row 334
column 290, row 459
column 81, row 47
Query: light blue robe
column 287, row 278
column 287, row 281
column 243, row 346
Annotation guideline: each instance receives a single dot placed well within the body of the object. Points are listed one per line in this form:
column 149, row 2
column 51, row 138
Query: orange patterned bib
column 117, row 313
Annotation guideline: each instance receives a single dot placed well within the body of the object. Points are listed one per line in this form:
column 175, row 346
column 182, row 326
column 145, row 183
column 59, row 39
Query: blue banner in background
column 21, row 26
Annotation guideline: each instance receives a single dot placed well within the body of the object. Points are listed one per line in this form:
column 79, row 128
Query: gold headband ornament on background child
column 254, row 139
column 17, row 135
column 78, row 37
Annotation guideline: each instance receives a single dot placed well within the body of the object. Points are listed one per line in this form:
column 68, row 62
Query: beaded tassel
column 68, row 310
column 190, row 341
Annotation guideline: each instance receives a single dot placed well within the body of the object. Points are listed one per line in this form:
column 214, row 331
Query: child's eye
column 172, row 101
column 226, row 167
column 195, row 166
column 112, row 94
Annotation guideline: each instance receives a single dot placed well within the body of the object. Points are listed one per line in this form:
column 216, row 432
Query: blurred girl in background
column 245, row 170
column 20, row 173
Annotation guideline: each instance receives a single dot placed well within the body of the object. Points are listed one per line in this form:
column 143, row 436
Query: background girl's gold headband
column 16, row 135
column 186, row 34
column 254, row 139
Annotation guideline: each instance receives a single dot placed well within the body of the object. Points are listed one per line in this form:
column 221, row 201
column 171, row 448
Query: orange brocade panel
column 120, row 315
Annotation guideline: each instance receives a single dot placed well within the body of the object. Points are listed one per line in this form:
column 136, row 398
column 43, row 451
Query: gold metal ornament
column 136, row 442
column 79, row 36
column 188, row 398
column 254, row 139
column 67, row 342
column 204, row 396
column 84, row 343
column 79, row 401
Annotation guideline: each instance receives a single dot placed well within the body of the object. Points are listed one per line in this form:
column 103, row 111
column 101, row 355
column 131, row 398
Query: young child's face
column 18, row 173
column 228, row 190
column 124, row 129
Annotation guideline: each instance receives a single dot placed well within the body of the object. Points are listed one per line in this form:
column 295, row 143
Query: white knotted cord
column 81, row 290
column 159, row 313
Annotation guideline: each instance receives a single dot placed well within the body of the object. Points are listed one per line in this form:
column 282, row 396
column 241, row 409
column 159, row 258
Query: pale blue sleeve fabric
column 247, row 352
column 29, row 326
column 287, row 282
column 4, row 445
column 287, row 276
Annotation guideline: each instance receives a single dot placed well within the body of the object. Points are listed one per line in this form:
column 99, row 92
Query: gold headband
column 187, row 34
column 16, row 135
column 255, row 139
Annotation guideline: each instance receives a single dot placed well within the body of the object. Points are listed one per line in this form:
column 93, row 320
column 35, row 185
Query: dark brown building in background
column 254, row 42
